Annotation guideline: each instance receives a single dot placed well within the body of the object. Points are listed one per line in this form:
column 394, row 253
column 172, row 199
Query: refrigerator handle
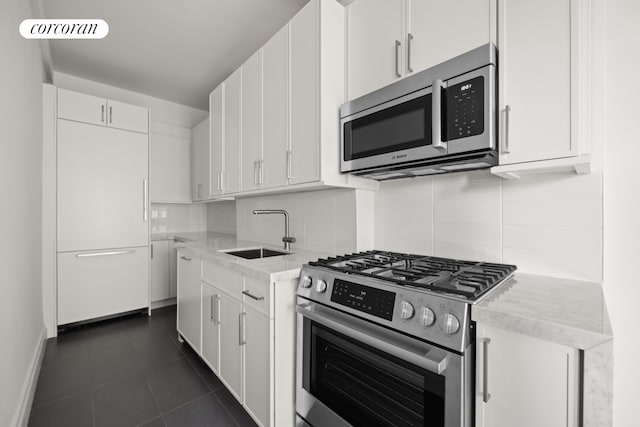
column 145, row 200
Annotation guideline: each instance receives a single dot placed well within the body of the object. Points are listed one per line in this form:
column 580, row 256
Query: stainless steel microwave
column 439, row 120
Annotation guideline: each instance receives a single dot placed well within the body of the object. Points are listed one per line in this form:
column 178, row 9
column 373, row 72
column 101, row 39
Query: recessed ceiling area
column 174, row 50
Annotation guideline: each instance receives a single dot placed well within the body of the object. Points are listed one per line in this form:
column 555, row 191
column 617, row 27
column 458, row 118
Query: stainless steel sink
column 254, row 253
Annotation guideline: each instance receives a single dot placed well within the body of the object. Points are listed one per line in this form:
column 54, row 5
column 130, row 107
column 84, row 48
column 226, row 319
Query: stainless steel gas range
column 386, row 339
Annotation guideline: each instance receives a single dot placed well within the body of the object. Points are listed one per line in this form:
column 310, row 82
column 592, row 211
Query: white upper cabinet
column 376, row 44
column 200, row 160
column 438, row 30
column 170, row 165
column 230, row 177
column 391, row 39
column 251, row 122
column 536, row 124
column 216, row 140
column 275, row 126
column 544, row 129
column 100, row 111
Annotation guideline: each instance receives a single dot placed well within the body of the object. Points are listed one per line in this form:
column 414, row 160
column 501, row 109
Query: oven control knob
column 306, row 281
column 427, row 317
column 406, row 310
column 321, row 286
column 450, row 324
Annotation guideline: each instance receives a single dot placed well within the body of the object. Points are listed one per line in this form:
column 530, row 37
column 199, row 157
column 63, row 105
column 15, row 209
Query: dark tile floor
column 130, row 371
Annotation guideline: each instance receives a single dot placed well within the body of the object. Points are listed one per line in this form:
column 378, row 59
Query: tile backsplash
column 549, row 225
column 221, row 217
column 319, row 220
column 170, row 218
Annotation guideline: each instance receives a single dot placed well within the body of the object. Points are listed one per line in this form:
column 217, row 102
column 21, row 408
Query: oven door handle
column 412, row 351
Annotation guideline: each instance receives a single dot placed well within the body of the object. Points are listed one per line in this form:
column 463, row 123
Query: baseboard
column 21, row 419
column 163, row 303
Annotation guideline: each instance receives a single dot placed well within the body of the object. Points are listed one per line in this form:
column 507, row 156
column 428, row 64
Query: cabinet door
column 216, row 141
column 440, row 30
column 231, row 344
column 102, row 178
column 376, row 45
column 258, row 371
column 189, row 302
column 173, row 269
column 275, row 57
column 81, row 107
column 200, row 160
column 159, row 270
column 535, row 79
column 529, row 382
column 93, row 284
column 231, row 173
column 305, row 101
column 211, row 327
column 251, row 122
column 127, row 116
column 169, row 169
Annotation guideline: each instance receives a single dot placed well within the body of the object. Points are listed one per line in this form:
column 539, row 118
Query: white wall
column 549, row 225
column 319, row 220
column 622, row 202
column 171, row 218
column 221, row 217
column 21, row 323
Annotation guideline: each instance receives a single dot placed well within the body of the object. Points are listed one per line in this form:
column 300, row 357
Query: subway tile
column 468, row 234
column 578, row 266
column 554, row 237
column 419, row 247
column 577, row 212
column 463, row 191
column 467, row 213
column 554, row 187
column 468, row 252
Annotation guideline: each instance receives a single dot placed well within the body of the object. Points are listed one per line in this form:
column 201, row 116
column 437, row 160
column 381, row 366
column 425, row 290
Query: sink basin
column 255, row 253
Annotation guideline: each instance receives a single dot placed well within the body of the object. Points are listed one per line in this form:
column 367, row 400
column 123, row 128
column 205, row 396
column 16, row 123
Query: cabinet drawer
column 257, row 293
column 222, row 278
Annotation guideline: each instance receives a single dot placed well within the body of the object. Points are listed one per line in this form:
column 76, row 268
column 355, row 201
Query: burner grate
column 466, row 279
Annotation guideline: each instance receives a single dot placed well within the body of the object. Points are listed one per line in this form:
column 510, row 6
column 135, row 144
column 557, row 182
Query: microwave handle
column 436, row 115
column 417, row 355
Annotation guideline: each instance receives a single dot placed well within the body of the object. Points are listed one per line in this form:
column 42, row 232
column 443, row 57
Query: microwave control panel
column 465, row 109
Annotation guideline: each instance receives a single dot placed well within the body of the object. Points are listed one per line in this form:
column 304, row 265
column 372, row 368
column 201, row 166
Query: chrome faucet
column 286, row 239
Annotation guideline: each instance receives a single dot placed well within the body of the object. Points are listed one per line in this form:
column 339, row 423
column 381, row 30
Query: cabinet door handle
column 247, row 293
column 409, row 39
column 110, row 114
column 289, row 155
column 485, row 368
column 212, row 318
column 261, row 172
column 217, row 316
column 255, row 172
column 222, row 180
column 505, row 137
column 242, row 340
column 152, row 251
column 145, row 200
column 186, row 258
column 92, row 254
column 398, row 44
column 102, row 117
column 218, row 176
column 436, row 114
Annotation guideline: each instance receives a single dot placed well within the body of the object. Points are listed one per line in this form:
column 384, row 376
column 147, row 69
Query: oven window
column 404, row 126
column 367, row 387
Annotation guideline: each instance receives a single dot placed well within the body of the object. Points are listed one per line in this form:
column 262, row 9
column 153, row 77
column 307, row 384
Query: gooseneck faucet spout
column 286, row 239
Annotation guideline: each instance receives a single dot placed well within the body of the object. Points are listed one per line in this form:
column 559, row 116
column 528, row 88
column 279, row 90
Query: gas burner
column 463, row 279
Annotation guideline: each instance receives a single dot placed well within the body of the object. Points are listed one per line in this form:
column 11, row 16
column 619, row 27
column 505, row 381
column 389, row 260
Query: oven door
column 396, row 131
column 353, row 372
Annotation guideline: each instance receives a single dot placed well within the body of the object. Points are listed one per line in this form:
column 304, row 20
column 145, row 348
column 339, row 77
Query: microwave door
column 395, row 132
column 470, row 111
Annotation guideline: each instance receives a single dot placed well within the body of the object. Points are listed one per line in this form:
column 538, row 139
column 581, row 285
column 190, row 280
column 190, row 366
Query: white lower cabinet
column 189, row 298
column 258, row 356
column 524, row 381
column 160, row 280
column 247, row 327
column 93, row 284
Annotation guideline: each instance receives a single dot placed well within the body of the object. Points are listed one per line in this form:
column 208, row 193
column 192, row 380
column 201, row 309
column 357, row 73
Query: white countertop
column 208, row 246
column 568, row 312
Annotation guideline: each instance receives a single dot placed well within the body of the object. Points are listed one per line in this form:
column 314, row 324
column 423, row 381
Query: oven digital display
column 369, row 300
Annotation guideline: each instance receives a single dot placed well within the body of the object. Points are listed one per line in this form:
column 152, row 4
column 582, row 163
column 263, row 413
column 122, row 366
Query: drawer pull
column 104, row 253
column 186, row 258
column 247, row 293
